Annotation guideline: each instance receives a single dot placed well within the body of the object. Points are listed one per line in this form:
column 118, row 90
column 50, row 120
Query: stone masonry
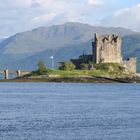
column 107, row 49
column 130, row 64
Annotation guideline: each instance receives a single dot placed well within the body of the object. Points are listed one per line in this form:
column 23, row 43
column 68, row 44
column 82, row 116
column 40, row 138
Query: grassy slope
column 113, row 70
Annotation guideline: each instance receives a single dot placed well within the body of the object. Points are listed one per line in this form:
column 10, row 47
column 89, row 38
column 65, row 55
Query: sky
column 22, row 15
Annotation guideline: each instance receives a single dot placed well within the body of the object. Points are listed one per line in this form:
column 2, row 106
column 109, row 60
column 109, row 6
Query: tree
column 41, row 67
column 68, row 66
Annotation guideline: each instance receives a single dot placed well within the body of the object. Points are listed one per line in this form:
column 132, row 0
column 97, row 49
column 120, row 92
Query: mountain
column 24, row 50
column 2, row 39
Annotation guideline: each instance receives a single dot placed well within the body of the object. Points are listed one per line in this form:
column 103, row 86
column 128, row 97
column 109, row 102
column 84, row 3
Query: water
column 11, row 76
column 49, row 111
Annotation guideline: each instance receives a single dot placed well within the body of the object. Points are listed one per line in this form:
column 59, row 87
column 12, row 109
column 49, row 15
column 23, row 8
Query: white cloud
column 95, row 2
column 8, row 4
column 39, row 20
column 127, row 17
column 22, row 15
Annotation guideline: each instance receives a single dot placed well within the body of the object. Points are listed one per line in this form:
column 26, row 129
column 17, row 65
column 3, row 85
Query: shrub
column 102, row 66
column 41, row 67
column 68, row 66
column 84, row 66
column 121, row 68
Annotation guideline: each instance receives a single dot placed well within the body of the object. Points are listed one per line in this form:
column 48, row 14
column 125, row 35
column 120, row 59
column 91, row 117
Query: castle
column 107, row 49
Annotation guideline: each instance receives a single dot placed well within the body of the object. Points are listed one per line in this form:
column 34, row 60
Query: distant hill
column 24, row 50
column 2, row 39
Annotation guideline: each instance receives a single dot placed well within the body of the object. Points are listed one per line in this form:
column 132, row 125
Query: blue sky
column 22, row 15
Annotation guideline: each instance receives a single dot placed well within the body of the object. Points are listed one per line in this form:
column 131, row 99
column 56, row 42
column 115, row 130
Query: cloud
column 43, row 18
column 35, row 3
column 21, row 15
column 95, row 2
column 10, row 5
column 127, row 17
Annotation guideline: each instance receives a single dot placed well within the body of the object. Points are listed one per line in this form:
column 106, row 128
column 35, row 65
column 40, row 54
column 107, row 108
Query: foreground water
column 48, row 111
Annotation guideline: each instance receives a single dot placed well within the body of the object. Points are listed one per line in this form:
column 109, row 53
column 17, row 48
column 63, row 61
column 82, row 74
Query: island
column 104, row 65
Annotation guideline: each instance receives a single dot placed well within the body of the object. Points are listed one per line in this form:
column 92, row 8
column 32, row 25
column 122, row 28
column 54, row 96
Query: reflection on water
column 49, row 111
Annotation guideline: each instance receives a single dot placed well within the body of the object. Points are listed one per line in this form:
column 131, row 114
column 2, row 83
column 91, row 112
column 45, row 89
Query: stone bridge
column 18, row 73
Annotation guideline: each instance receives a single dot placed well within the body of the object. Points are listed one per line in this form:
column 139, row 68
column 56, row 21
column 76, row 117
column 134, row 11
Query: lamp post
column 52, row 61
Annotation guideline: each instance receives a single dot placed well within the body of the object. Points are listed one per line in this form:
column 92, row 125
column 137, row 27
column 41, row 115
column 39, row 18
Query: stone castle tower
column 107, row 49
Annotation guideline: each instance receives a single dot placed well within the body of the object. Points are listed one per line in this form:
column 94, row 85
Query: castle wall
column 130, row 64
column 107, row 49
column 82, row 59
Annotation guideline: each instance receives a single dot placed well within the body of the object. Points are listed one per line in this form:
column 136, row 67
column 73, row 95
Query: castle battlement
column 107, row 39
column 107, row 49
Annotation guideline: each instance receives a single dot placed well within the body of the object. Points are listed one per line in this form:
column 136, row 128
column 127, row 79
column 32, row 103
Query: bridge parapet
column 17, row 72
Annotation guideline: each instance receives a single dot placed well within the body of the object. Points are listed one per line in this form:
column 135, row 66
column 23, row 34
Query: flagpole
column 52, row 61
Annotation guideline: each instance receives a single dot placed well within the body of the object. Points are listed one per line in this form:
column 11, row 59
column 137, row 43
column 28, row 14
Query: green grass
column 78, row 73
column 102, row 70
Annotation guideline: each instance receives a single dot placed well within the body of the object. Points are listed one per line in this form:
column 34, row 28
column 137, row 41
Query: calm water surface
column 49, row 111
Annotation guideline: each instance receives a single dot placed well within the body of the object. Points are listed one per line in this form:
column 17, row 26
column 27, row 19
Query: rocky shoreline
column 94, row 79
